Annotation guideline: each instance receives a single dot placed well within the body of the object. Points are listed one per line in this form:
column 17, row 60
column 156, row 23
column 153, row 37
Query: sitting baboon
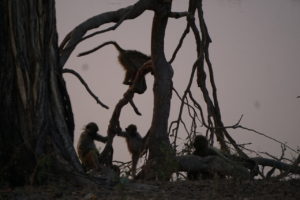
column 131, row 61
column 86, row 148
column 202, row 149
column 135, row 143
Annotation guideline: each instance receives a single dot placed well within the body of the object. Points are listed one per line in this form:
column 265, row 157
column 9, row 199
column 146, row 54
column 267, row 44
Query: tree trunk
column 160, row 152
column 36, row 118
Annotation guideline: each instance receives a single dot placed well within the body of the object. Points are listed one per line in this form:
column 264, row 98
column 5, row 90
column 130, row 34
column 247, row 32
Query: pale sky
column 255, row 55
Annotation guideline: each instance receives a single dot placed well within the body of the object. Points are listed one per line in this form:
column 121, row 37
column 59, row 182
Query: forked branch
column 77, row 34
column 114, row 124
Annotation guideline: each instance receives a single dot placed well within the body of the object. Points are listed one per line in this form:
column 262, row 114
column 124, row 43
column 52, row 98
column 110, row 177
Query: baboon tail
column 102, row 45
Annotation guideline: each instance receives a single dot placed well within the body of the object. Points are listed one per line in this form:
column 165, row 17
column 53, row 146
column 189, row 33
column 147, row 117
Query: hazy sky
column 255, row 54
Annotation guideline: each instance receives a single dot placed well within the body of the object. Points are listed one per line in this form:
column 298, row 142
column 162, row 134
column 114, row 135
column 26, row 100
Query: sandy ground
column 204, row 190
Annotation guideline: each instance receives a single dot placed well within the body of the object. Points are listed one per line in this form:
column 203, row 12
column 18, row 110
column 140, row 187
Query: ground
column 204, row 190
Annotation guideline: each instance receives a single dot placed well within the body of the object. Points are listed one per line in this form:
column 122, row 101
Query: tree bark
column 37, row 122
column 161, row 154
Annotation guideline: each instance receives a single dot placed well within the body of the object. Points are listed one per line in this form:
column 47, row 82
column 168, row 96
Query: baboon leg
column 135, row 158
column 141, row 86
column 127, row 79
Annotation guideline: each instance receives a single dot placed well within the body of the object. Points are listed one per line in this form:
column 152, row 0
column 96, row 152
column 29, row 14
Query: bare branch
column 75, row 36
column 177, row 15
column 187, row 104
column 110, row 28
column 85, row 85
column 65, row 41
column 199, row 108
column 184, row 34
column 262, row 134
column 99, row 47
column 136, row 110
column 294, row 165
column 277, row 164
column 182, row 103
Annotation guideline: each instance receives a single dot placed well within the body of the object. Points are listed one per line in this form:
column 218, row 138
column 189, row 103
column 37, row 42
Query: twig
column 85, row 85
column 187, row 104
column 270, row 155
column 110, row 28
column 199, row 108
column 184, row 34
column 182, row 103
column 136, row 110
column 262, row 134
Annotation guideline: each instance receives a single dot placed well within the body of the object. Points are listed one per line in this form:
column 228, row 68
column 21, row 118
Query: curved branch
column 108, row 29
column 77, row 34
column 136, row 110
column 114, row 43
column 85, row 85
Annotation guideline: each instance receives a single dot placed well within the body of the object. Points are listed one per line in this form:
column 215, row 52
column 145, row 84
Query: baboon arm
column 122, row 134
column 100, row 138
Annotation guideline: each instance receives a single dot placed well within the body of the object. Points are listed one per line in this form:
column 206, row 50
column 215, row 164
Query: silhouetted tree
column 36, row 117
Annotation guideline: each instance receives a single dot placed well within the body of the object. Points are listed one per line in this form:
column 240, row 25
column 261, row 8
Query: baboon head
column 92, row 127
column 131, row 128
column 200, row 143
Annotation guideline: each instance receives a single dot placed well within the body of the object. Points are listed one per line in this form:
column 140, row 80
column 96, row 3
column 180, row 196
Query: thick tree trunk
column 36, row 117
column 160, row 152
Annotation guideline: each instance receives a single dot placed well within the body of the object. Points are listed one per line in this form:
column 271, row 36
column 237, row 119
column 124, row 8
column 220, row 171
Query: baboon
column 86, row 148
column 135, row 143
column 131, row 61
column 202, row 149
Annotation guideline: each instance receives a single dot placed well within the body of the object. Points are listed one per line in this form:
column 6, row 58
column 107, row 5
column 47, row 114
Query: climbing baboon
column 131, row 61
column 135, row 143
